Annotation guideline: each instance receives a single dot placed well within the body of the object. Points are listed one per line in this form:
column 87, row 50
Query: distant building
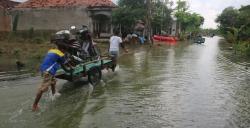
column 61, row 14
column 5, row 19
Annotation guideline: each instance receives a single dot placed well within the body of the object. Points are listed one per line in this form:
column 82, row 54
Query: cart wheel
column 66, row 68
column 94, row 76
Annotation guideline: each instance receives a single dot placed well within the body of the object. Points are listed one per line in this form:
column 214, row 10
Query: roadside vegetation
column 234, row 26
column 187, row 22
column 163, row 15
column 28, row 47
column 130, row 11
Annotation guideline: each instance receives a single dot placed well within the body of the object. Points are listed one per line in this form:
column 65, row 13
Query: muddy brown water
column 169, row 86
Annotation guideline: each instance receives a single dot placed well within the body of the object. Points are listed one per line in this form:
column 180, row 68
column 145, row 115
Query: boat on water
column 199, row 40
column 164, row 38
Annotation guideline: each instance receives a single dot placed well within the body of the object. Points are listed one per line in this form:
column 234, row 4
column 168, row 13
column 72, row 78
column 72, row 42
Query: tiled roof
column 8, row 3
column 65, row 3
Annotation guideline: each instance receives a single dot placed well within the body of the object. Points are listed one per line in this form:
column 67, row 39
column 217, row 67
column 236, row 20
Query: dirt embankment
column 28, row 53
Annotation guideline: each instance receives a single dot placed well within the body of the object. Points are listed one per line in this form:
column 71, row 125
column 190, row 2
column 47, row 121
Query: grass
column 27, row 46
column 242, row 48
column 27, row 52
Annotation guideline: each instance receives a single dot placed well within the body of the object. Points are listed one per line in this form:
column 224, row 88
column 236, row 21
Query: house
column 61, row 14
column 5, row 19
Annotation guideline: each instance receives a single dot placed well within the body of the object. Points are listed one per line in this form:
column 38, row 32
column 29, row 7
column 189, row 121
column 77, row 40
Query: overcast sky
column 209, row 9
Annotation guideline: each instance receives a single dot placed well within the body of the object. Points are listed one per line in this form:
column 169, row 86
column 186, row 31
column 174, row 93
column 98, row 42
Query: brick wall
column 52, row 18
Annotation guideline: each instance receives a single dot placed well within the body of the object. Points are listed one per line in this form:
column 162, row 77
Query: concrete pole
column 148, row 21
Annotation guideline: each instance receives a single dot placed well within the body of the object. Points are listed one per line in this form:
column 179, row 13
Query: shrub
column 38, row 40
column 242, row 47
column 31, row 33
column 16, row 52
column 182, row 36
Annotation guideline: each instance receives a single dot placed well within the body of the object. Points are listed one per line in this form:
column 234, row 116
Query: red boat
column 164, row 38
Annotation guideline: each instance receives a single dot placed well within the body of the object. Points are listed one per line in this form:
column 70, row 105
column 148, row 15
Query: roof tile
column 64, row 3
column 8, row 3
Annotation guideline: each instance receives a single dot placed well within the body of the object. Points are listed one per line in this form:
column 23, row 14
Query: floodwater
column 169, row 86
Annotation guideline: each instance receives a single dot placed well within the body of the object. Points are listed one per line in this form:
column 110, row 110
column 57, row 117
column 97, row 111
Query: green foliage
column 16, row 52
column 228, row 17
column 243, row 48
column 38, row 40
column 232, row 18
column 232, row 35
column 235, row 27
column 182, row 6
column 130, row 11
column 126, row 16
column 131, row 3
column 182, row 36
column 190, row 22
column 161, row 17
column 210, row 31
column 31, row 33
column 244, row 22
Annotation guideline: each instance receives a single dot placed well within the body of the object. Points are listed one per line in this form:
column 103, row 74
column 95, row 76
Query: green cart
column 92, row 70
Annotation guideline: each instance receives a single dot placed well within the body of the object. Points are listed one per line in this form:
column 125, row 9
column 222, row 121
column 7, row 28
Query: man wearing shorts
column 48, row 69
column 115, row 42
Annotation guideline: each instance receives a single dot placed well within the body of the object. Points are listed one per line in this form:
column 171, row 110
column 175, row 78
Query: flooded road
column 170, row 86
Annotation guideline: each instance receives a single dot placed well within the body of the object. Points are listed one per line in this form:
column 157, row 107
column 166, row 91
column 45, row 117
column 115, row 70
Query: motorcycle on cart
column 83, row 57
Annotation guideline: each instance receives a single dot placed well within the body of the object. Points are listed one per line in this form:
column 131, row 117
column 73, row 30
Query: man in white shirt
column 115, row 42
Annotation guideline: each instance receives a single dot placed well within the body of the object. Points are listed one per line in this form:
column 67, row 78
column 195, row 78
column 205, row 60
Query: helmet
column 72, row 27
column 73, row 30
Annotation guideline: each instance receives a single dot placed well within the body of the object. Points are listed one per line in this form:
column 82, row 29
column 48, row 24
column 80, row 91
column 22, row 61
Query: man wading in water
column 48, row 68
column 115, row 42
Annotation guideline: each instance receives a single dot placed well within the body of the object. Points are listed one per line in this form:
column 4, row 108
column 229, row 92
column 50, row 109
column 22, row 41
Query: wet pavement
column 169, row 86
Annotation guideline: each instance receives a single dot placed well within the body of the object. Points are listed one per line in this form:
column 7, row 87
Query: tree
column 227, row 18
column 182, row 6
column 161, row 16
column 232, row 20
column 130, row 11
column 244, row 22
column 234, row 25
column 187, row 22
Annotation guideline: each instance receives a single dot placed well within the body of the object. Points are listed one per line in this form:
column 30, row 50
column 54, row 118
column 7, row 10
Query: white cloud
column 210, row 9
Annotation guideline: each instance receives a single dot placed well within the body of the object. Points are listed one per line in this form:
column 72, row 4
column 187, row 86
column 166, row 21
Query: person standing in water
column 115, row 42
column 48, row 68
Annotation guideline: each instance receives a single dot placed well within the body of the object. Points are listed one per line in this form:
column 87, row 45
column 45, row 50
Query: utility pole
column 148, row 21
